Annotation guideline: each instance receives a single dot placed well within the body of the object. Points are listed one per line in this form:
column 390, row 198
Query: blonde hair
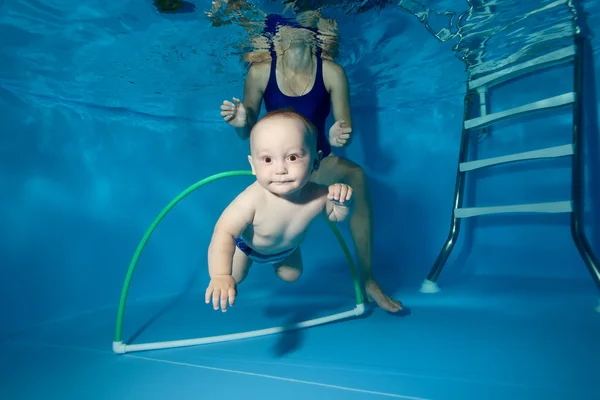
column 326, row 37
column 288, row 113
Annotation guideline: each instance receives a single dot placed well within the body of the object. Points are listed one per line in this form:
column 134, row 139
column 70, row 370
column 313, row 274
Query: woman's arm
column 254, row 90
column 340, row 133
column 340, row 92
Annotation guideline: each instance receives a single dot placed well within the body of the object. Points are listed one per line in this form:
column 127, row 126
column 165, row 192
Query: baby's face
column 282, row 155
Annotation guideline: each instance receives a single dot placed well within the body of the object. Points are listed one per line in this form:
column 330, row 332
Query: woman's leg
column 332, row 170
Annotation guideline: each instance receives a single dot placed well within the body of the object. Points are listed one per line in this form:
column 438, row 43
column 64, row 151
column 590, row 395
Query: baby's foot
column 374, row 293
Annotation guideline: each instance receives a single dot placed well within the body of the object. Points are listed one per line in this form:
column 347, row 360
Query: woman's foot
column 374, row 293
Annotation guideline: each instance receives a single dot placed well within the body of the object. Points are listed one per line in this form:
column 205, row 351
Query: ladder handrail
column 577, row 186
column 577, row 182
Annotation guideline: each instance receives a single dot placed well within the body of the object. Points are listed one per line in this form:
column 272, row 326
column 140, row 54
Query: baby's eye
column 293, row 158
column 267, row 160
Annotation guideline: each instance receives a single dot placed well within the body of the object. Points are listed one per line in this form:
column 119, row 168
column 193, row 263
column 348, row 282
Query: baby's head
column 283, row 151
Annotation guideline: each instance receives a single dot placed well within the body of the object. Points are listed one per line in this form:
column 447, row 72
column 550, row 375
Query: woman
column 295, row 73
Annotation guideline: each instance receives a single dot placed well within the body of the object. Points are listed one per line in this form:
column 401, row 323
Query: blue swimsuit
column 255, row 256
column 314, row 105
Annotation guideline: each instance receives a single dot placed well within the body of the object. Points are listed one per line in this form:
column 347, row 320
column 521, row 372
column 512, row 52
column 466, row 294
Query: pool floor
column 480, row 340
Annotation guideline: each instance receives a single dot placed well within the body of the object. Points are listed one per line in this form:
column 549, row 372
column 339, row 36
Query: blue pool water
column 108, row 110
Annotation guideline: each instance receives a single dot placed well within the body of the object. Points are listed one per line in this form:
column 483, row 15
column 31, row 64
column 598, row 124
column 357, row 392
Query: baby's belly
column 274, row 242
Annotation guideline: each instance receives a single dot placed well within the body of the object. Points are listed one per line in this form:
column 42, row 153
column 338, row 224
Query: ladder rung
column 552, row 102
column 547, row 60
column 553, row 207
column 550, row 152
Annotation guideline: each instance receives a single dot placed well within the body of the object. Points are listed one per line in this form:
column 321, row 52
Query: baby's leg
column 291, row 269
column 241, row 266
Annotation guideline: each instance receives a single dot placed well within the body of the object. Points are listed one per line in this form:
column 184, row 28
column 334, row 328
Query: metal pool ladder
column 574, row 206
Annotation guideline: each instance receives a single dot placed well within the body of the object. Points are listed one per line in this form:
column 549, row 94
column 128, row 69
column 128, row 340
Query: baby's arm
column 339, row 202
column 231, row 224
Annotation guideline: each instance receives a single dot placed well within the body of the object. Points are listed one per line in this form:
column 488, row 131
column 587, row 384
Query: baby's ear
column 317, row 161
column 251, row 165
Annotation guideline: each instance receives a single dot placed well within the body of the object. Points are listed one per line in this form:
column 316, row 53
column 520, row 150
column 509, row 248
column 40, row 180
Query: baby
column 267, row 222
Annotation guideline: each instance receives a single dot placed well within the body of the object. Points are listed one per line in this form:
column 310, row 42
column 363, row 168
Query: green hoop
column 169, row 207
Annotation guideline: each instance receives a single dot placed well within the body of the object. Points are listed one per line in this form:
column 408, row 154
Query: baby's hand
column 340, row 194
column 221, row 287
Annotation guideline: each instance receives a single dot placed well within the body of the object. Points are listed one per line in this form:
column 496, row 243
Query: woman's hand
column 339, row 134
column 234, row 113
